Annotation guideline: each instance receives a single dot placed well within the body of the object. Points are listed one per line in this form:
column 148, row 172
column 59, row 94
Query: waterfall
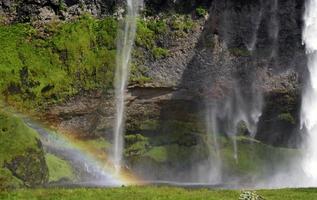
column 309, row 99
column 274, row 28
column 124, row 48
column 255, row 21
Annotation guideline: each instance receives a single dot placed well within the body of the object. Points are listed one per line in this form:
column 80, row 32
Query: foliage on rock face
column 201, row 12
column 48, row 64
column 39, row 66
column 287, row 118
column 59, row 169
column 148, row 33
column 21, row 155
column 253, row 157
column 136, row 145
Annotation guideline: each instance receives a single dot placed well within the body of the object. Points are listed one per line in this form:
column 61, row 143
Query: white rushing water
column 124, row 49
column 309, row 100
column 274, row 28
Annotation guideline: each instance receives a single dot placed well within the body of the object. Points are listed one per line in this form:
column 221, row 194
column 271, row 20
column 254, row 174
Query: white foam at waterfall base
column 124, row 49
column 309, row 99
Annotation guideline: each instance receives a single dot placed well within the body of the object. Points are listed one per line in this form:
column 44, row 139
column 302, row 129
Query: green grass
column 153, row 193
column 58, row 168
column 15, row 137
column 20, row 143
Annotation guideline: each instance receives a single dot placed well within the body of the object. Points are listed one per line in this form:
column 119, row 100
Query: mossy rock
column 8, row 181
column 254, row 157
column 59, row 169
column 21, row 154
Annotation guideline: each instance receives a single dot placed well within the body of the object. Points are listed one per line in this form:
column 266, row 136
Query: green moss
column 159, row 26
column 100, row 143
column 239, row 52
column 72, row 57
column 15, row 137
column 20, row 153
column 176, row 154
column 182, row 23
column 135, row 145
column 253, row 156
column 175, row 131
column 201, row 12
column 7, row 180
column 58, row 168
column 149, row 125
column 159, row 154
column 286, row 117
column 59, row 60
column 138, row 75
column 159, row 53
column 145, row 37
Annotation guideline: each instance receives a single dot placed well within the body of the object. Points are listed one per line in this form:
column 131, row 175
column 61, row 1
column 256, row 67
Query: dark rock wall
column 242, row 46
column 251, row 47
column 240, row 54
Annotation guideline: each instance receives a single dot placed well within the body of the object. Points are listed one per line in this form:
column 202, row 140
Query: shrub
column 159, row 52
column 286, row 117
column 201, row 12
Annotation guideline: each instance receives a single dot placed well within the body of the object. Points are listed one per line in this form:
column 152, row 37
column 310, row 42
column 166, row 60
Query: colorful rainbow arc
column 97, row 156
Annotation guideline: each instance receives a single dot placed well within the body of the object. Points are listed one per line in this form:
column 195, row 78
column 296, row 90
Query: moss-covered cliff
column 22, row 161
column 58, row 63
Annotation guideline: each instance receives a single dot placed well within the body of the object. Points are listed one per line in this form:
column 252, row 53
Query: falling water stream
column 309, row 99
column 124, row 49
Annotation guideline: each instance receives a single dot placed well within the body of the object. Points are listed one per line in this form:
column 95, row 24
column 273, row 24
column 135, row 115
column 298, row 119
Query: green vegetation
column 286, row 117
column 135, row 145
column 138, row 75
column 15, row 137
column 201, row 12
column 46, row 66
column 59, row 169
column 21, row 156
column 160, row 53
column 182, row 23
column 148, row 33
column 158, row 193
column 7, row 180
column 239, row 52
column 49, row 64
column 253, row 156
column 99, row 143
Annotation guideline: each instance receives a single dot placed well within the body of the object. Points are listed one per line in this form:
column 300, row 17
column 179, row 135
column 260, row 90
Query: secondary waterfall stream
column 124, row 49
column 309, row 100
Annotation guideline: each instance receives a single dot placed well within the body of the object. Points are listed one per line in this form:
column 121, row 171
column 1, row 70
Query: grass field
column 153, row 193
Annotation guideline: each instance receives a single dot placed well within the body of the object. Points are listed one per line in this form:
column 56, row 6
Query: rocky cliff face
column 236, row 56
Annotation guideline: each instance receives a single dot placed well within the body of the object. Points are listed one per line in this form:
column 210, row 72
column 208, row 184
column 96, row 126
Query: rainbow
column 95, row 157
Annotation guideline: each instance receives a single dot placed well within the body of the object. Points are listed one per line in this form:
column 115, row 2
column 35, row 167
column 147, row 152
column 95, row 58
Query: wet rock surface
column 243, row 46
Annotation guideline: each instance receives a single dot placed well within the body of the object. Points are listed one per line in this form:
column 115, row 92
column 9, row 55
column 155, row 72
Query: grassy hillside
column 21, row 155
column 157, row 193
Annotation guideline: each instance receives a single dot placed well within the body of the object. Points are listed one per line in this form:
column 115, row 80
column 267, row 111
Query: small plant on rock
column 201, row 12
